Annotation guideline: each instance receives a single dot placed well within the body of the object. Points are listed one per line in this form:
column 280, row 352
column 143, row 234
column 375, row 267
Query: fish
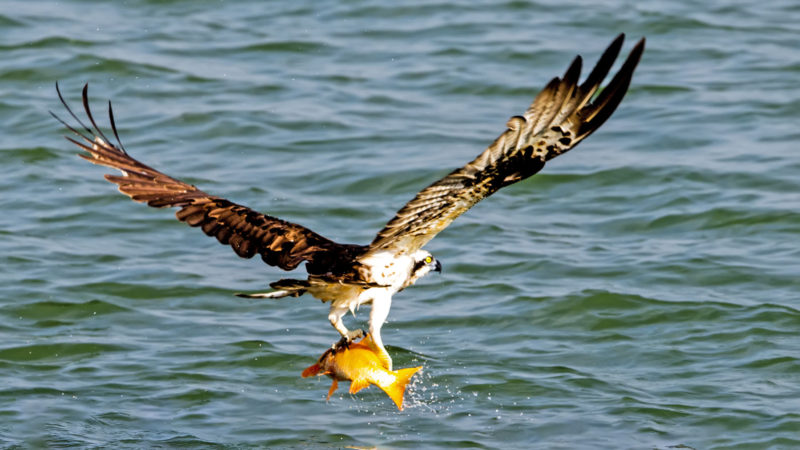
column 361, row 364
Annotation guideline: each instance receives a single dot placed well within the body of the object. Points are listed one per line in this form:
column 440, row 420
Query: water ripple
column 640, row 292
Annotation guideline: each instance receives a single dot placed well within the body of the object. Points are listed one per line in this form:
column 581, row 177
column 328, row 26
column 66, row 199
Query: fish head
column 322, row 366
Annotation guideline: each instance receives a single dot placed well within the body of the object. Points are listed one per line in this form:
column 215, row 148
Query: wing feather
column 561, row 116
column 280, row 243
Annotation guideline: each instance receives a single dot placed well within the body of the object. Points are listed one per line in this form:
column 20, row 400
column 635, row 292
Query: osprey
column 348, row 276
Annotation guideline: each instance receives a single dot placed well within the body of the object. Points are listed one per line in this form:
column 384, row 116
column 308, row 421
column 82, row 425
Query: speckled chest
column 388, row 269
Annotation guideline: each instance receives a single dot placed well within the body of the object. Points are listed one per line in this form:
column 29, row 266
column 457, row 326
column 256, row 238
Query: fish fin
column 385, row 359
column 396, row 390
column 311, row 371
column 383, row 356
column 367, row 340
column 357, row 385
column 332, row 389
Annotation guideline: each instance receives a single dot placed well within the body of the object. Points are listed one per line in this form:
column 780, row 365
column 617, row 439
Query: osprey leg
column 335, row 316
column 380, row 311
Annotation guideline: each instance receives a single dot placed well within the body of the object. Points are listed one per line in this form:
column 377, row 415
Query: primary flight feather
column 562, row 115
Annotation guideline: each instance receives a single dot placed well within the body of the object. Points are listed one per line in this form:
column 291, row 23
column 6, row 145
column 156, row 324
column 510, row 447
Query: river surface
column 640, row 292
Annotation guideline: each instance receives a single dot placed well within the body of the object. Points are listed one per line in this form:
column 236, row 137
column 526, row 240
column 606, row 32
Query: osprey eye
column 428, row 260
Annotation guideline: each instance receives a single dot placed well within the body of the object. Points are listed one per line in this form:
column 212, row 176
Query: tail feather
column 397, row 390
column 284, row 288
column 295, row 288
column 273, row 294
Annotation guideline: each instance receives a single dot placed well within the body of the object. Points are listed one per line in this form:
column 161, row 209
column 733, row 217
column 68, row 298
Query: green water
column 641, row 292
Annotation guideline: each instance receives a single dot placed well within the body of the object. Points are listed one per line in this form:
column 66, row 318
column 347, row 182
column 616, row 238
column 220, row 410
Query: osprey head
column 424, row 262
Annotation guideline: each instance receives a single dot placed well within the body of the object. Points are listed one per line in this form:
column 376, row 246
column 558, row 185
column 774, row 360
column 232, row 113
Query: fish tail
column 396, row 390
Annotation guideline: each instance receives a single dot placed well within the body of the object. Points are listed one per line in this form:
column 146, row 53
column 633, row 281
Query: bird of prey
column 346, row 275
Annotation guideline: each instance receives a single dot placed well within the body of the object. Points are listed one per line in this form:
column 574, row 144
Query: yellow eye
column 428, row 260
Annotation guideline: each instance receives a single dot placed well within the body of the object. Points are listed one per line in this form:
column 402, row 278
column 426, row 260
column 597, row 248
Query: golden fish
column 362, row 365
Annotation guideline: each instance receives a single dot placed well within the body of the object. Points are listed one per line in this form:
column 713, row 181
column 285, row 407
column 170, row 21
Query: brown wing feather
column 559, row 118
column 280, row 243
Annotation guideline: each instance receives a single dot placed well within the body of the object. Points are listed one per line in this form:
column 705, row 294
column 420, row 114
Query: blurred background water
column 640, row 292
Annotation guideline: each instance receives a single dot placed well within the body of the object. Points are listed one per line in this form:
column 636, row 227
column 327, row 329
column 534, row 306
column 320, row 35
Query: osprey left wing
column 559, row 118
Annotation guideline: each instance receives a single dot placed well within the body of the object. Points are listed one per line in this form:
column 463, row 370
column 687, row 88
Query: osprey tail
column 283, row 288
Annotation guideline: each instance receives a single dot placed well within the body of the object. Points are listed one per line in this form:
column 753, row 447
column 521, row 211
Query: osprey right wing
column 248, row 232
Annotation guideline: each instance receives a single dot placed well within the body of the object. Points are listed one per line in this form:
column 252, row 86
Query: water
column 640, row 292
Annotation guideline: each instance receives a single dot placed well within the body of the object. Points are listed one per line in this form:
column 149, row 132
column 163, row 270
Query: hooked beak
column 437, row 267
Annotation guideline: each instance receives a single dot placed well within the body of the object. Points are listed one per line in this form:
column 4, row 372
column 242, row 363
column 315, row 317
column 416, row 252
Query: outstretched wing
column 248, row 232
column 559, row 118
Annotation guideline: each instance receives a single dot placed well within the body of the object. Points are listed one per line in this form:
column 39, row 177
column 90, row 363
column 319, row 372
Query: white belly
column 348, row 296
column 365, row 298
column 385, row 269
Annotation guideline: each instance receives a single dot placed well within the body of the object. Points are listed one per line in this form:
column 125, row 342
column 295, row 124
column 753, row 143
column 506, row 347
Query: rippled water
column 641, row 292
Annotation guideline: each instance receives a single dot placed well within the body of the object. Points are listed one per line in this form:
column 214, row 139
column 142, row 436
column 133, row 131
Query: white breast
column 387, row 268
